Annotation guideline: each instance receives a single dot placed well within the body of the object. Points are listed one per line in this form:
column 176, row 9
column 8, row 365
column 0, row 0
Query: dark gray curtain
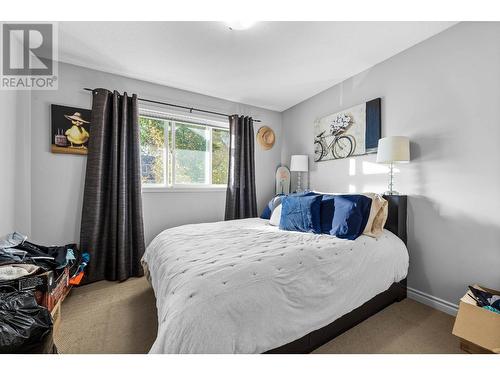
column 112, row 227
column 241, row 200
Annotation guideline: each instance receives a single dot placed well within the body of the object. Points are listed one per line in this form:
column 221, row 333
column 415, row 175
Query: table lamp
column 299, row 163
column 393, row 150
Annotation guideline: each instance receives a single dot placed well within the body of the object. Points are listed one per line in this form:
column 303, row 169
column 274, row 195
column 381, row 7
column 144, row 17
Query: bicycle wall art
column 351, row 132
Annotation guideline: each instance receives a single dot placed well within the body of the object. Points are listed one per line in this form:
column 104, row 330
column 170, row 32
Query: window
column 178, row 152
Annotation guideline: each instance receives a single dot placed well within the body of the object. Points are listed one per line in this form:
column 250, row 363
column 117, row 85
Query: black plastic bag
column 25, row 326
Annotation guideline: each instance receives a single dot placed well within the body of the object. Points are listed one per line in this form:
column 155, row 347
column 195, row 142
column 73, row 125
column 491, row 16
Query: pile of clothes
column 20, row 258
column 485, row 299
column 33, row 278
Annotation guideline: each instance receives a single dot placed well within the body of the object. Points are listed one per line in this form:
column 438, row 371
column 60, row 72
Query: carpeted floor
column 109, row 317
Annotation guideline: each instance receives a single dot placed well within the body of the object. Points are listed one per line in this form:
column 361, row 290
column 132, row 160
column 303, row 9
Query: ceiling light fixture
column 240, row 24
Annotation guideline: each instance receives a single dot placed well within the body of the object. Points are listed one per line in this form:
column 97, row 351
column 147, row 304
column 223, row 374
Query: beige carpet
column 108, row 317
column 405, row 327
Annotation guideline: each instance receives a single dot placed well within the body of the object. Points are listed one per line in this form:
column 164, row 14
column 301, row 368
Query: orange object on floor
column 76, row 280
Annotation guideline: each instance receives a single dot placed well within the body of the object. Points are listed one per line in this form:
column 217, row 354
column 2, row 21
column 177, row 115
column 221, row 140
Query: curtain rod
column 191, row 109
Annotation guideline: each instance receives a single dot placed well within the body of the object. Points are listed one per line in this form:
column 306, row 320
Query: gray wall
column 57, row 180
column 445, row 95
column 8, row 101
column 14, row 161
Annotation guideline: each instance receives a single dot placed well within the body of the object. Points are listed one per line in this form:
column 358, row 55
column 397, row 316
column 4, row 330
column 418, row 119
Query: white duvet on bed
column 244, row 286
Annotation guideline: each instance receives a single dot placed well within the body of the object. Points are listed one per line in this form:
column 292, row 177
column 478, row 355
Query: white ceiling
column 273, row 65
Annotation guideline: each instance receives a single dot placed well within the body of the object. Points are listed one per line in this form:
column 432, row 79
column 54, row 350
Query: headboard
column 396, row 218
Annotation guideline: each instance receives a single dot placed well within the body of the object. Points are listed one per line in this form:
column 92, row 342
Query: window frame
column 171, row 118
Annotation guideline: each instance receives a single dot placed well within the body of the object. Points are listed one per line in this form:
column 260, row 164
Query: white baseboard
column 435, row 302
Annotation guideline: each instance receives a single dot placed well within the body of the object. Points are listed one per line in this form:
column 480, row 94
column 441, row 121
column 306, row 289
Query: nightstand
column 396, row 221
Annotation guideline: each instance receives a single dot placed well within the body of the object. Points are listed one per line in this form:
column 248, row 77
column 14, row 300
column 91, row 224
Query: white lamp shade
column 393, row 150
column 299, row 163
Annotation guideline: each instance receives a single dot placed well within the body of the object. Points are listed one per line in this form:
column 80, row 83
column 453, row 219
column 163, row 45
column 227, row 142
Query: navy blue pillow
column 266, row 213
column 268, row 210
column 327, row 212
column 350, row 216
column 301, row 213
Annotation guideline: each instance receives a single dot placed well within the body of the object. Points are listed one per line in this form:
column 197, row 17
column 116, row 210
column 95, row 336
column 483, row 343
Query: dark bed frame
column 396, row 223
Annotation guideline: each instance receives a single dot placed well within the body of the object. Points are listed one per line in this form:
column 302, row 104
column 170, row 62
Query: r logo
column 27, row 50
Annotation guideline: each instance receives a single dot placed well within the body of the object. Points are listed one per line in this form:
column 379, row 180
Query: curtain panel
column 241, row 199
column 112, row 225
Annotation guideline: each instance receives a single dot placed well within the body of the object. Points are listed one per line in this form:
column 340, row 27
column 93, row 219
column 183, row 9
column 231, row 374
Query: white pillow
column 276, row 216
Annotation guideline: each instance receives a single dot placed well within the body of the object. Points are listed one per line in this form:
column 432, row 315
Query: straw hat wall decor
column 266, row 137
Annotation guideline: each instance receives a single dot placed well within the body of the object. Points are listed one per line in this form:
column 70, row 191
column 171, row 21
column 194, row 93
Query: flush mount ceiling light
column 240, row 24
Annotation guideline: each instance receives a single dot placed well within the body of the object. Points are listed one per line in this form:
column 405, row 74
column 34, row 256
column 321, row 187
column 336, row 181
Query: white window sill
column 187, row 189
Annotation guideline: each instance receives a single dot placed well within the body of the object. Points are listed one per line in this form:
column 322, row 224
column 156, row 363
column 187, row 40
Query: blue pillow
column 268, row 210
column 266, row 213
column 305, row 193
column 301, row 213
column 327, row 212
column 350, row 216
column 273, row 203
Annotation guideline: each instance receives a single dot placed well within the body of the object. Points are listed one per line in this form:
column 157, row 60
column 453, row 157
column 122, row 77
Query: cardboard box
column 57, row 292
column 477, row 325
column 56, row 317
column 43, row 282
column 471, row 348
column 48, row 289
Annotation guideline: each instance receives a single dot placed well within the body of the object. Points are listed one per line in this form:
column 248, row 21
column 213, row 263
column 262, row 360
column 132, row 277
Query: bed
column 245, row 286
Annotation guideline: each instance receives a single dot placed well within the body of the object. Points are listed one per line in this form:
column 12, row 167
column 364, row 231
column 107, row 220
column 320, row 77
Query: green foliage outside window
column 191, row 152
column 152, row 138
column 220, row 156
column 191, row 144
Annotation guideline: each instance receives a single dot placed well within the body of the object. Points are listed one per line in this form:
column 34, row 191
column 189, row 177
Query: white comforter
column 244, row 286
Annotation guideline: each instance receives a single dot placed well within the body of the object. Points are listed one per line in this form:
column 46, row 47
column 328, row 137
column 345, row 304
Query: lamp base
column 392, row 192
column 299, row 182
